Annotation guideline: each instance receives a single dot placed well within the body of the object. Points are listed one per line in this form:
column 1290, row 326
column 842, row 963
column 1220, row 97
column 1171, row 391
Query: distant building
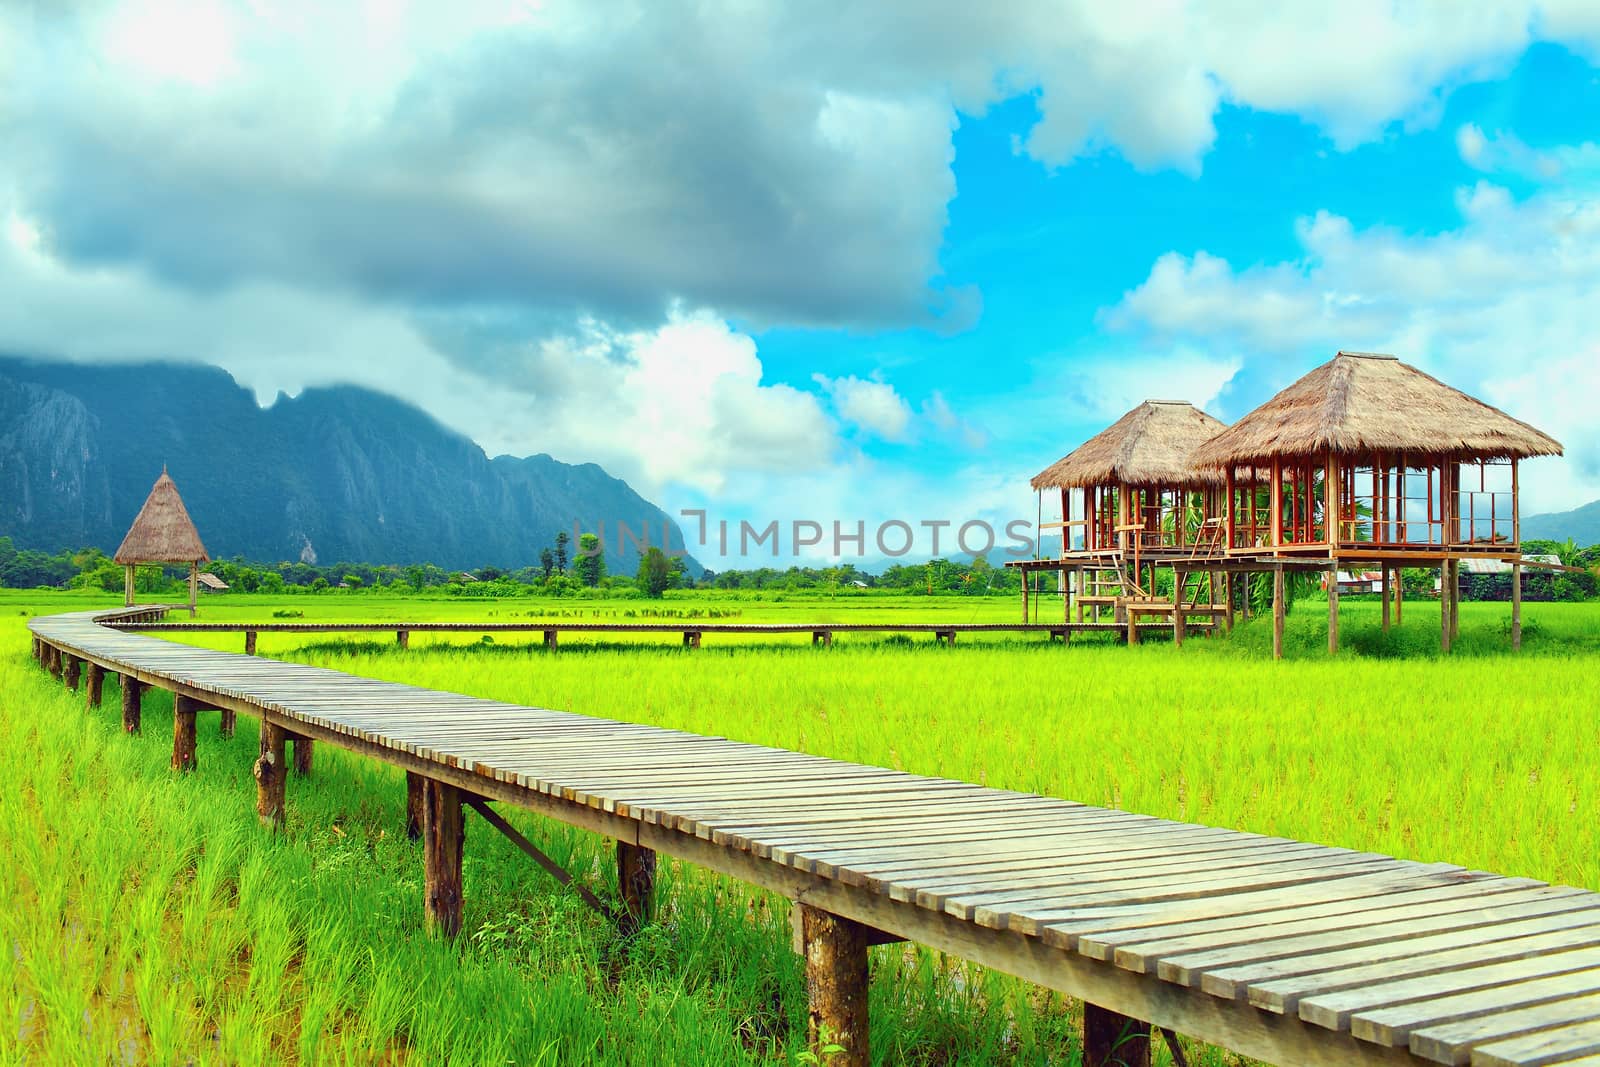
column 162, row 533
column 210, row 583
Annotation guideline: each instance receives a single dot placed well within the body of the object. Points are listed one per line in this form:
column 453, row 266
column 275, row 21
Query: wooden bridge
column 1287, row 952
column 822, row 633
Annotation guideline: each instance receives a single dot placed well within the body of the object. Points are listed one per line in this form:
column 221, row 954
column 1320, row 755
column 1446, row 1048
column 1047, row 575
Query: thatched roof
column 163, row 532
column 1359, row 403
column 1149, row 446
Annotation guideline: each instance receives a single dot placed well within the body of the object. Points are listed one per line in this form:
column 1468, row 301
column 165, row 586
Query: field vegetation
column 150, row 919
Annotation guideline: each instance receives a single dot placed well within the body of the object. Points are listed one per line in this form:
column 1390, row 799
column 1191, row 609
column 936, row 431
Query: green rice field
column 150, row 919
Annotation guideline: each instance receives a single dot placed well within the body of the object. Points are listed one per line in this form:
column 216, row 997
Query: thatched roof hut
column 163, row 531
column 1151, row 445
column 1362, row 403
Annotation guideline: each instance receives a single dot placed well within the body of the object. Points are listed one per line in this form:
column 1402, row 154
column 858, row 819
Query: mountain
column 1580, row 524
column 332, row 474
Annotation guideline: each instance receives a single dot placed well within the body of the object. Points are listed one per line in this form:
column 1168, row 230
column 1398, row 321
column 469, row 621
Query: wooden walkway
column 822, row 633
column 1287, row 952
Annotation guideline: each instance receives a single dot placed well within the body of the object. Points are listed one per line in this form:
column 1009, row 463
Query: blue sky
column 835, row 263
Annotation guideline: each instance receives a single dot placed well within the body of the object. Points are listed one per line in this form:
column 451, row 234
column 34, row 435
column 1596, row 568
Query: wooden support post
column 1280, row 610
column 1024, row 596
column 550, row 639
column 1113, row 1040
column 303, row 749
column 836, row 987
column 1516, row 607
column 402, row 638
column 1399, row 595
column 52, row 657
column 1177, row 605
column 271, row 774
column 822, row 637
column 441, row 856
column 1444, row 606
column 1333, row 612
column 194, row 585
column 1388, row 596
column 1133, row 628
column 1455, row 599
column 691, row 639
column 127, row 585
column 72, row 671
column 413, row 805
column 96, row 680
column 249, row 642
column 636, row 880
column 227, row 722
column 132, row 692
column 184, row 710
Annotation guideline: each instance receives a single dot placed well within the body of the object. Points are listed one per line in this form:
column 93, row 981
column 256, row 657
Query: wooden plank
column 1569, row 1046
column 1453, row 1042
column 1280, row 984
column 1393, row 1025
column 1334, row 1010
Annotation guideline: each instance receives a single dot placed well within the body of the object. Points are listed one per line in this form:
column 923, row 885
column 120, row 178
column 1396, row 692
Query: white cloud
column 1502, row 306
column 1504, row 152
column 1113, row 384
column 871, row 405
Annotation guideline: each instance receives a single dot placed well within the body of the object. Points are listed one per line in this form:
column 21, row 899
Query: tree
column 655, row 572
column 590, row 566
column 547, row 563
column 563, row 539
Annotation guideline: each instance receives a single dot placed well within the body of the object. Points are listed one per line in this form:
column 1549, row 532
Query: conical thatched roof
column 1149, row 446
column 1360, row 403
column 163, row 532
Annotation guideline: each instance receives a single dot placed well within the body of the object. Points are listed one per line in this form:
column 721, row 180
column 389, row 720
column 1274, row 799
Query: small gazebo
column 1133, row 502
column 1137, row 491
column 163, row 533
column 1368, row 460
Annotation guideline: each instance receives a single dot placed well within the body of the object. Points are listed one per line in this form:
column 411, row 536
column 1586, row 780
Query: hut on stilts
column 1368, row 461
column 1132, row 504
column 162, row 533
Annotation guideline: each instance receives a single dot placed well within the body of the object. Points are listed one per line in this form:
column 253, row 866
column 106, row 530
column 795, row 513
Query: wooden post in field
column 228, row 721
column 441, row 856
column 96, row 680
column 127, row 586
column 550, row 640
column 1399, row 595
column 1177, row 606
column 194, row 583
column 249, row 642
column 132, row 691
column 1444, row 606
column 1024, row 596
column 1280, row 610
column 271, row 774
column 636, row 880
column 413, row 805
column 1333, row 612
column 1112, row 1040
column 1227, row 597
column 303, row 748
column 402, row 638
column 1388, row 594
column 1455, row 599
column 836, row 987
column 72, row 671
column 1516, row 607
column 184, row 710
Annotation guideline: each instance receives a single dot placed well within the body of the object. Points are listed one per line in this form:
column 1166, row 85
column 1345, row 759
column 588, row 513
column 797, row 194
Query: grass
column 154, row 921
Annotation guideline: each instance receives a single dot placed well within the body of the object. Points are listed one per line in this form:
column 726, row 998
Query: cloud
column 871, row 405
column 1111, row 385
column 1504, row 153
column 1500, row 306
